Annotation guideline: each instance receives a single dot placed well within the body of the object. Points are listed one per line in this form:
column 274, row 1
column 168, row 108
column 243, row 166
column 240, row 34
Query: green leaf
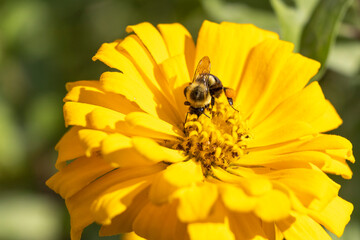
column 321, row 30
column 12, row 144
column 345, row 58
column 292, row 16
column 220, row 10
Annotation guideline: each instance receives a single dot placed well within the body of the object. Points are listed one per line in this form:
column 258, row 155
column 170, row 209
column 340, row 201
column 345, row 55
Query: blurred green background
column 46, row 43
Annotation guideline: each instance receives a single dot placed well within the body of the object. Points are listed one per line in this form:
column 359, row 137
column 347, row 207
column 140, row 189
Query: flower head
column 134, row 160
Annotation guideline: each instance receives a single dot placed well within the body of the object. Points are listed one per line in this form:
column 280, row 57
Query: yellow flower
column 256, row 171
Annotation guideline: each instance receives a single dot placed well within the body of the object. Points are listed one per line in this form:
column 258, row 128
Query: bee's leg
column 229, row 93
column 191, row 111
column 212, row 101
column 230, row 100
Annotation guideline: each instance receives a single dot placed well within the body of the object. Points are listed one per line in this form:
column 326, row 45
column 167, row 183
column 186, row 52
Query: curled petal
column 176, row 176
column 300, row 227
column 196, row 201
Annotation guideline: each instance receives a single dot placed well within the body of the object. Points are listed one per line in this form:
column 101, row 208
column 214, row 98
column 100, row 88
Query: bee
column 205, row 87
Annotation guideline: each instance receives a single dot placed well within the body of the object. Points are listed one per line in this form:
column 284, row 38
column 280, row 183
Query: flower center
column 216, row 140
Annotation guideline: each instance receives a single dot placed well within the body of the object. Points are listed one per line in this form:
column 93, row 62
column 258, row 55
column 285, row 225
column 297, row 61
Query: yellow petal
column 210, row 231
column 236, row 199
column 232, row 60
column 273, row 206
column 123, row 84
column 91, row 140
column 159, row 223
column 123, row 62
column 263, row 66
column 124, row 221
column 338, row 167
column 75, row 113
column 273, row 74
column 342, row 153
column 298, row 160
column 152, row 39
column 149, row 71
column 132, row 81
column 272, row 231
column 196, row 201
column 251, row 183
column 175, row 71
column 152, row 150
column 136, row 123
column 329, row 119
column 76, row 175
column 91, row 92
column 208, row 37
column 327, row 141
column 108, row 54
column 175, row 176
column 75, row 234
column 281, row 133
column 335, row 215
column 117, row 199
column 79, row 204
column 85, row 83
column 143, row 124
column 284, row 161
column 228, row 45
column 309, row 105
column 308, row 184
column 246, row 226
column 141, row 58
column 118, row 150
column 319, row 142
column 122, row 151
column 302, row 227
column 69, row 147
column 91, row 116
column 87, row 115
column 328, row 152
column 106, row 120
column 296, row 204
column 179, row 42
column 136, row 90
column 131, row 236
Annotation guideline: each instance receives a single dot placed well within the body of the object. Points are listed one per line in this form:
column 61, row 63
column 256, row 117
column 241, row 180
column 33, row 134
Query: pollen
column 217, row 138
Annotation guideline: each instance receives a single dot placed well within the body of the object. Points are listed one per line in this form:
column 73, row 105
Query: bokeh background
column 46, row 43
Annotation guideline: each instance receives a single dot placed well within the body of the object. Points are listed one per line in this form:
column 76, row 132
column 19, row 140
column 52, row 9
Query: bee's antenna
column 186, row 117
column 205, row 114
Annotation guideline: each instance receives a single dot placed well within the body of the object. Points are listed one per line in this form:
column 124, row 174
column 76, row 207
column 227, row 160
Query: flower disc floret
column 216, row 138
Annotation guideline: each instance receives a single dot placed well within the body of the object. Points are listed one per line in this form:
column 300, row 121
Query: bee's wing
column 203, row 68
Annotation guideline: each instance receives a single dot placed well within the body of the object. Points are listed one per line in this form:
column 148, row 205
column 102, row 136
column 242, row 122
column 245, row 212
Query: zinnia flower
column 256, row 170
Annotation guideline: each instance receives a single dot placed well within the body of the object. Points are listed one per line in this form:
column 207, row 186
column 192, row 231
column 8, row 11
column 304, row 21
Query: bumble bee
column 205, row 87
